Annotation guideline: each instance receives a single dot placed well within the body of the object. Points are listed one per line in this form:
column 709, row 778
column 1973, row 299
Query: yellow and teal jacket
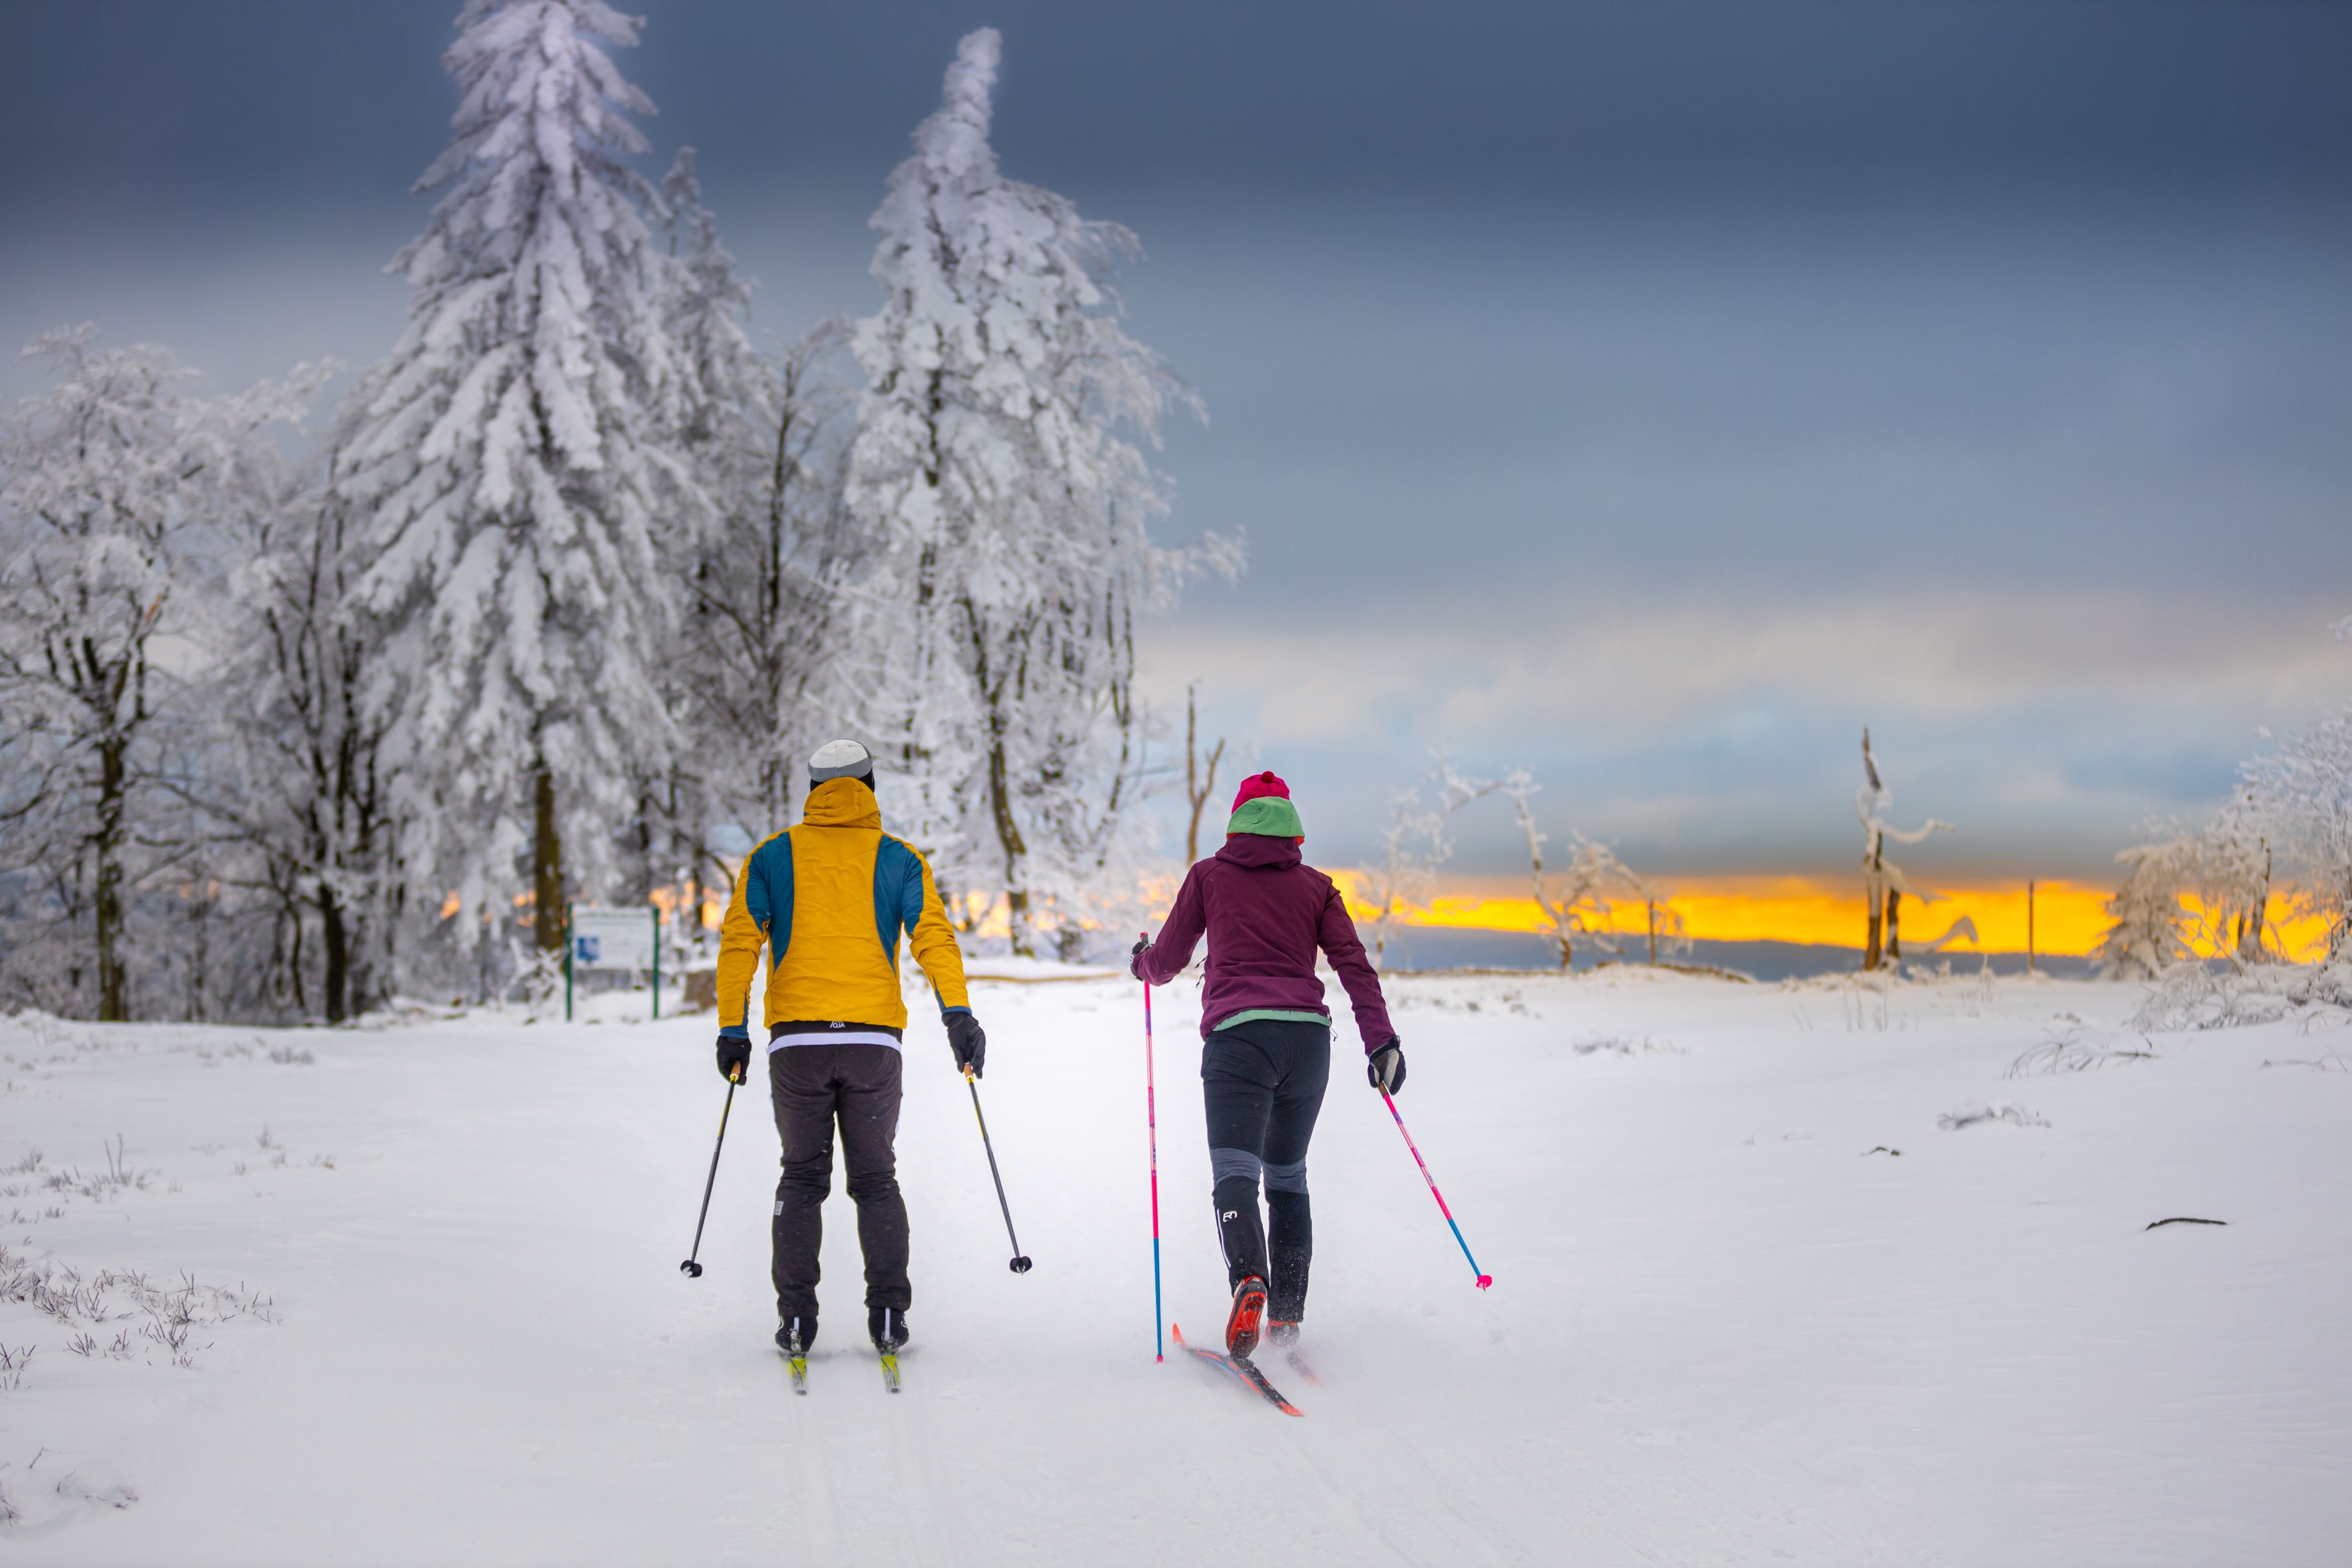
column 830, row 897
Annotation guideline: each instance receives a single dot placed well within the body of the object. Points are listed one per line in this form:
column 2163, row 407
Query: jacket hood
column 1256, row 849
column 843, row 803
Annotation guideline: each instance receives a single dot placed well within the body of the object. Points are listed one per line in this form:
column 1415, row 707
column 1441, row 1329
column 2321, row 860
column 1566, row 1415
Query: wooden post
column 1653, row 904
column 2028, row 925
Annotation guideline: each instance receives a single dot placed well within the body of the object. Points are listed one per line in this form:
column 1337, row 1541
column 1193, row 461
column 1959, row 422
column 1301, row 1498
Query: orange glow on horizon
column 2069, row 919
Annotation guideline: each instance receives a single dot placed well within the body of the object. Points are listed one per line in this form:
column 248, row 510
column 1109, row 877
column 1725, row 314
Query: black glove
column 1385, row 1068
column 734, row 1057
column 1134, row 958
column 968, row 1040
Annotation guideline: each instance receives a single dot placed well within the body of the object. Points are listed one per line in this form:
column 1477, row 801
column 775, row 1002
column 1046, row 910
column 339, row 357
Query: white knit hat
column 840, row 760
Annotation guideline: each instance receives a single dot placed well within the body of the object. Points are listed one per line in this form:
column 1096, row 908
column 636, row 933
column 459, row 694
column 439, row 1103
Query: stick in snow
column 2181, row 1219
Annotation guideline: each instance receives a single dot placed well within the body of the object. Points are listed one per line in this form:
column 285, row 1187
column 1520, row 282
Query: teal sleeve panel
column 897, row 894
column 769, row 895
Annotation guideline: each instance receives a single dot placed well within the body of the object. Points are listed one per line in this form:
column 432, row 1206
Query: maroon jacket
column 1265, row 912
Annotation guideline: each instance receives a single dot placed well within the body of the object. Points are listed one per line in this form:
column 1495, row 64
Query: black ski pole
column 690, row 1269
column 1020, row 1265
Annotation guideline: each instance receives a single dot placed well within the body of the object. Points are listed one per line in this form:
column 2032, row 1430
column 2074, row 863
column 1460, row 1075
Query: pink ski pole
column 1483, row 1280
column 1152, row 1119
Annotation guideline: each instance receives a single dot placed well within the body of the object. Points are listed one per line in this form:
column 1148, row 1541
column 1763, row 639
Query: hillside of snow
column 1781, row 1274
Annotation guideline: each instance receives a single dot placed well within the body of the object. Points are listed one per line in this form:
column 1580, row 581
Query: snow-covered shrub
column 2072, row 1051
column 2196, row 994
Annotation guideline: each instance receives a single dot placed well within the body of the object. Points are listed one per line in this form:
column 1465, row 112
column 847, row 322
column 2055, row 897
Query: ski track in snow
column 1719, row 1332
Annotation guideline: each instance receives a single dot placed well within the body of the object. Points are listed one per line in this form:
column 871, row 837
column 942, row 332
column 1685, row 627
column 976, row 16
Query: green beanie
column 1269, row 815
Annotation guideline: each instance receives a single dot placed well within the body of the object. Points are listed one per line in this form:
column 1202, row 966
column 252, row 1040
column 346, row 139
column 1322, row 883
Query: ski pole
column 690, row 1269
column 1151, row 1121
column 1018, row 1265
column 1483, row 1280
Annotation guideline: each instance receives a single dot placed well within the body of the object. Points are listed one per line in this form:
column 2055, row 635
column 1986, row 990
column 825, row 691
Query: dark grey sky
column 1651, row 392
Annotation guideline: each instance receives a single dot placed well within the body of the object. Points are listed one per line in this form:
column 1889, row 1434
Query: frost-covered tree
column 518, row 463
column 2301, row 792
column 1575, row 898
column 2233, row 885
column 768, row 438
column 1414, row 845
column 302, row 785
column 995, row 478
column 1662, row 924
column 2151, row 930
column 770, row 617
column 113, row 487
column 1882, row 881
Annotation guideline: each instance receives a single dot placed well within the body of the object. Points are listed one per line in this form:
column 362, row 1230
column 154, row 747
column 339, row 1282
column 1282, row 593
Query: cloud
column 1720, row 737
column 1640, row 671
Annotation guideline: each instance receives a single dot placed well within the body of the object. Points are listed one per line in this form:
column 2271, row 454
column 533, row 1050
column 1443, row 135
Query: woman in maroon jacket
column 1267, row 1054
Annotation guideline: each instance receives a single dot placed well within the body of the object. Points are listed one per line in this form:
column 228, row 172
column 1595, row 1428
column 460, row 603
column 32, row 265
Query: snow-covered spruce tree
column 1008, row 511
column 518, row 462
column 113, row 486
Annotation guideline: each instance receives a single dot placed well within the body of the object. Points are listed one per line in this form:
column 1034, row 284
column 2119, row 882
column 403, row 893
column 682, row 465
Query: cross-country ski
column 1238, row 1368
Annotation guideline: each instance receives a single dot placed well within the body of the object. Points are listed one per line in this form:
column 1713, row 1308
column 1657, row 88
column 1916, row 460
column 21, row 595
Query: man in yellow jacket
column 829, row 899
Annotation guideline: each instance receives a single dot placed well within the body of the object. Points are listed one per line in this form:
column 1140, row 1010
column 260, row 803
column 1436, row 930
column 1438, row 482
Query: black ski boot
column 1249, row 1310
column 886, row 1326
column 794, row 1335
column 1281, row 1335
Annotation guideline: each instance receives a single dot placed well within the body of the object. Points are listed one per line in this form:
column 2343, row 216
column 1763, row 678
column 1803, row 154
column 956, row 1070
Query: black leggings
column 1263, row 1084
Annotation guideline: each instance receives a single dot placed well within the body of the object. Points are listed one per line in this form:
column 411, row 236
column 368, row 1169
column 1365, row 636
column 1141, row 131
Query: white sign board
column 613, row 939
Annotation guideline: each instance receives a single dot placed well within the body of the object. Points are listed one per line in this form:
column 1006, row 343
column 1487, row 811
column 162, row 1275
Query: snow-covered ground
column 436, row 1314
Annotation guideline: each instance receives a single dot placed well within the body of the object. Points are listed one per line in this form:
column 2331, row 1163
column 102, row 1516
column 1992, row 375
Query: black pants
column 812, row 1087
column 1262, row 1082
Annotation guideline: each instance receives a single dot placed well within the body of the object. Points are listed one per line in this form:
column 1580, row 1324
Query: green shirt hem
column 1272, row 1015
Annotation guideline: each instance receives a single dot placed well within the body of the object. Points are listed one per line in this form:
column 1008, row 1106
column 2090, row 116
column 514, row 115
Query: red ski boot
column 1249, row 1309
